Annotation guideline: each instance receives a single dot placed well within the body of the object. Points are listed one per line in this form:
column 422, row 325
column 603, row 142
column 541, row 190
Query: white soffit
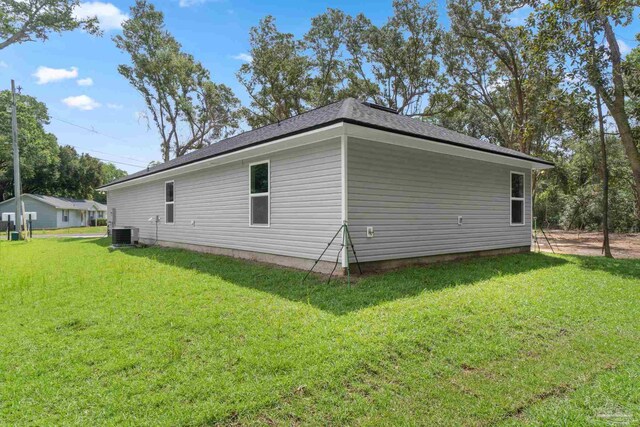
column 392, row 138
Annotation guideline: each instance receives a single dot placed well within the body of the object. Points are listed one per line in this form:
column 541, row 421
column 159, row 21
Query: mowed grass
column 168, row 337
column 73, row 230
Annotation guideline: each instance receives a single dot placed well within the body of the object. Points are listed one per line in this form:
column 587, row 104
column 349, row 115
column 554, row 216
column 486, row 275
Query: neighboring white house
column 408, row 189
column 58, row 212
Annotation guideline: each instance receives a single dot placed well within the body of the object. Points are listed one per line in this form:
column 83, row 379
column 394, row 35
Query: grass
column 73, row 230
column 168, row 337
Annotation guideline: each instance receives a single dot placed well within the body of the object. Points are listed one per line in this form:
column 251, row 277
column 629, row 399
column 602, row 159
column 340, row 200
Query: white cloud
column 4, row 64
column 115, row 106
column 85, row 82
column 243, row 57
column 109, row 16
column 624, row 48
column 47, row 75
column 81, row 102
column 189, row 3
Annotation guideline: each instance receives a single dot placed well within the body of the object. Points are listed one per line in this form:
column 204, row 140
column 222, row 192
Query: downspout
column 345, row 198
column 531, row 200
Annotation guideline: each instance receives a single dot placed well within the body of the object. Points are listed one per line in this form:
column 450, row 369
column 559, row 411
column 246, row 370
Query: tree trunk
column 630, row 149
column 615, row 104
column 606, row 248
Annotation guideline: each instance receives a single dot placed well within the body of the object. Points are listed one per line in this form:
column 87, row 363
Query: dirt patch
column 590, row 243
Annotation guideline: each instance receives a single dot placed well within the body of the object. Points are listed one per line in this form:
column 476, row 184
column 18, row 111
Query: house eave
column 336, row 128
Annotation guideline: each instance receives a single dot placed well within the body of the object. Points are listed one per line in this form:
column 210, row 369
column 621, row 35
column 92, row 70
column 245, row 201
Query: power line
column 120, row 163
column 108, row 154
column 101, row 152
column 90, row 130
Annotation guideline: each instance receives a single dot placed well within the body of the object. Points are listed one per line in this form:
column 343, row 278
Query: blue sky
column 76, row 74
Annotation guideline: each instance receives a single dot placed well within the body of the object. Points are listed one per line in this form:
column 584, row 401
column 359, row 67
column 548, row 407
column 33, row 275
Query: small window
column 169, row 198
column 259, row 196
column 65, row 215
column 517, row 198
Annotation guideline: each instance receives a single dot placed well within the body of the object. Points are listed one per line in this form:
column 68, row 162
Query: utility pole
column 16, row 160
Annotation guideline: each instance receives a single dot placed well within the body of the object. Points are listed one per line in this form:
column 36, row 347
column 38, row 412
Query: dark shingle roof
column 349, row 111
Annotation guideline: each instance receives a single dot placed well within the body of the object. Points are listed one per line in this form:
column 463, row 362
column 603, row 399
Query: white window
column 259, row 199
column 517, row 198
column 169, row 200
column 65, row 215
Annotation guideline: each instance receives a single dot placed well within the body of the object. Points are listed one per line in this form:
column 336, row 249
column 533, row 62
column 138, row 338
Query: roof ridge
column 346, row 108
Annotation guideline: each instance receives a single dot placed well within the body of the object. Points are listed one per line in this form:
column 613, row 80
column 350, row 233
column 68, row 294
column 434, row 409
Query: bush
column 101, row 222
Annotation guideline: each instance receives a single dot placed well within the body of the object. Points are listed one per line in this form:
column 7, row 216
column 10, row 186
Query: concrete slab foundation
column 325, row 267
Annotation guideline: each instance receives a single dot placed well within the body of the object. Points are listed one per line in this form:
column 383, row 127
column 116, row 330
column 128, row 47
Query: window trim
column 170, row 203
column 268, row 194
column 65, row 216
column 522, row 199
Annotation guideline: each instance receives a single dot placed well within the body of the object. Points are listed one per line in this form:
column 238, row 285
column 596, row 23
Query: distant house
column 58, row 212
column 410, row 191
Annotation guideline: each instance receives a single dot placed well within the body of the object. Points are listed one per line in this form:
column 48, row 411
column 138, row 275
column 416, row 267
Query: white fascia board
column 313, row 136
column 392, row 138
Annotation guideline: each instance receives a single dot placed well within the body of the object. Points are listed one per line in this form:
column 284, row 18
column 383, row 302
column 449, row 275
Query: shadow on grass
column 337, row 298
column 627, row 268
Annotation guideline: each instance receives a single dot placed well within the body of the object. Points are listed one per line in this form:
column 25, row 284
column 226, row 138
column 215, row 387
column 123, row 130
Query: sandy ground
column 588, row 243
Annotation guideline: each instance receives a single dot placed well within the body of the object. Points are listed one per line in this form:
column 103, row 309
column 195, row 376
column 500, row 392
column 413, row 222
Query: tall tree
column 278, row 78
column 324, row 41
column 631, row 68
column 401, row 58
column 79, row 174
column 606, row 246
column 38, row 148
column 396, row 64
column 109, row 172
column 188, row 109
column 30, row 20
column 496, row 73
column 567, row 28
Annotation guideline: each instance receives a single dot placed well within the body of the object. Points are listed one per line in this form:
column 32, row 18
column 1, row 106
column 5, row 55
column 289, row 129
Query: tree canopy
column 46, row 167
column 24, row 21
column 188, row 109
column 530, row 86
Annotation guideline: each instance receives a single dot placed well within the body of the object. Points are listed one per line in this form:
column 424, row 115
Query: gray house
column 58, row 212
column 410, row 192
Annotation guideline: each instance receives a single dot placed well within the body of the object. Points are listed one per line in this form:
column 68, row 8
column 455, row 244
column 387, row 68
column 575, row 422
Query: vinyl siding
column 46, row 213
column 74, row 219
column 305, row 196
column 413, row 199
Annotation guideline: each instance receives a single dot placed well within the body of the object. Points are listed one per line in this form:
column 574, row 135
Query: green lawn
column 73, row 230
column 168, row 337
